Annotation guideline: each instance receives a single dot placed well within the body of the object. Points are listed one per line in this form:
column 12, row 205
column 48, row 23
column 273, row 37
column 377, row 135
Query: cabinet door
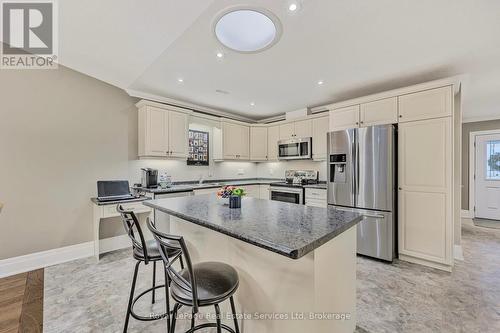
column 320, row 129
column 380, row 112
column 264, row 192
column 244, row 144
column 156, row 133
column 287, row 131
column 344, row 118
column 258, row 143
column 303, row 128
column 434, row 103
column 232, row 140
column 177, row 134
column 425, row 180
column 273, row 136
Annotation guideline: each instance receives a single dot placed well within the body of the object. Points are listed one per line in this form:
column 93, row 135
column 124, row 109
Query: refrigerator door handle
column 374, row 216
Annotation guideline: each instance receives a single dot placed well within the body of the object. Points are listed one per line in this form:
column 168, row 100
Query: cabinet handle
column 400, row 188
column 357, row 123
column 400, row 116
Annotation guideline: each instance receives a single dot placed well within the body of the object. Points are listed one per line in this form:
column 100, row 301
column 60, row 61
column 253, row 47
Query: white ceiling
column 355, row 47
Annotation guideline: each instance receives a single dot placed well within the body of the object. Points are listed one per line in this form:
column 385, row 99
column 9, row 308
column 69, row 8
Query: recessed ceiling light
column 293, row 7
column 220, row 55
column 247, row 30
column 180, row 80
column 252, row 104
column 320, row 82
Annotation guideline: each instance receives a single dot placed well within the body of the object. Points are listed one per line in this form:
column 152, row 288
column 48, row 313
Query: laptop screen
column 107, row 188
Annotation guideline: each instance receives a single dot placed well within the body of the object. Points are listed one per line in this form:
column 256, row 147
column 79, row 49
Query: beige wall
column 467, row 128
column 60, row 131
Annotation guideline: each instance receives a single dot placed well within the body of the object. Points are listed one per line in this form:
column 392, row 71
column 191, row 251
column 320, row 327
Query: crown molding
column 187, row 106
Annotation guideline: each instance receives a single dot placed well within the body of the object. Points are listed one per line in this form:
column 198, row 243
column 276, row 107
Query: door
column 273, row 136
column 303, row 129
column 157, row 140
column 244, row 146
column 340, row 167
column 374, row 168
column 320, row 128
column 424, row 186
column 177, row 134
column 286, row 131
column 258, row 143
column 232, row 140
column 487, row 180
column 344, row 118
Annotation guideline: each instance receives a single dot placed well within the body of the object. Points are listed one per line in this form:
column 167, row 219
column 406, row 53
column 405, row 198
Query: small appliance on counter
column 149, row 178
column 292, row 189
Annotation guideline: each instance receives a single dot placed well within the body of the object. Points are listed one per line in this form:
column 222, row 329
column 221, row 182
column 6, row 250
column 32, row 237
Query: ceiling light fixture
column 252, row 104
column 180, row 80
column 247, row 30
column 320, row 82
column 293, row 7
column 220, row 55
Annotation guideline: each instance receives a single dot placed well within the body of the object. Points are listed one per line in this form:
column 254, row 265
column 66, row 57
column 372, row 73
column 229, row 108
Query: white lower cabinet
column 252, row 191
column 316, row 197
column 264, row 191
column 425, row 192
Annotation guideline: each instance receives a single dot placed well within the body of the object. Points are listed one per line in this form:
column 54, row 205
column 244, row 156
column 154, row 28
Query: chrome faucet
column 200, row 180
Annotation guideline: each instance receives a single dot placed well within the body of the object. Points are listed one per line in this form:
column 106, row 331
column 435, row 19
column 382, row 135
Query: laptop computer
column 112, row 190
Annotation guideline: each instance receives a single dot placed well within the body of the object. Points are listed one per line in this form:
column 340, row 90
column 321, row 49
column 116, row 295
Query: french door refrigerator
column 362, row 178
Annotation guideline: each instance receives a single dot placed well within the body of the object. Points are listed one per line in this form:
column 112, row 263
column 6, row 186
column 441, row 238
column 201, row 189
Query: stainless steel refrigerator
column 362, row 178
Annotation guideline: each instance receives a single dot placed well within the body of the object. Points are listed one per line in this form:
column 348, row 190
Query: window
column 493, row 160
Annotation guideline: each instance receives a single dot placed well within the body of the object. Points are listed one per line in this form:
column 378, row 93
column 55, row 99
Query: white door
column 487, row 184
column 303, row 128
column 157, row 140
column 273, row 136
column 178, row 134
column 287, row 131
column 258, row 143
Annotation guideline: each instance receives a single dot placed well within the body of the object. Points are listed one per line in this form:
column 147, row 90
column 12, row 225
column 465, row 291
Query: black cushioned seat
column 215, row 282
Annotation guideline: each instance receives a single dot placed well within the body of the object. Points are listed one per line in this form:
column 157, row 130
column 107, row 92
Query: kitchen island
column 297, row 264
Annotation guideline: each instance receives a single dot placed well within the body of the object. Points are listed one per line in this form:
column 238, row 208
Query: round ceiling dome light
column 247, row 30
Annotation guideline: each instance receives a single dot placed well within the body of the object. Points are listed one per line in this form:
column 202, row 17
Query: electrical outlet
column 241, row 172
column 271, row 171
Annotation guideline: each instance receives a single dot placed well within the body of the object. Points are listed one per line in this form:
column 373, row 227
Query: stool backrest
column 133, row 229
column 176, row 244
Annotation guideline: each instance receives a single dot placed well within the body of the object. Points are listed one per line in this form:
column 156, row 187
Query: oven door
column 295, row 196
column 294, row 149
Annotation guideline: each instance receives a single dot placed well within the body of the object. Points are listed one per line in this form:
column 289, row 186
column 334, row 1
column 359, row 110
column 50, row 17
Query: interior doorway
column 486, row 177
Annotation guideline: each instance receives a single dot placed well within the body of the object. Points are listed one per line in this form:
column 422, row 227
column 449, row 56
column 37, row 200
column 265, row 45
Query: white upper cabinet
column 273, row 136
column 303, row 128
column 162, row 132
column 381, row 112
column 344, row 118
column 286, row 131
column 236, row 145
column 433, row 103
column 178, row 134
column 320, row 128
column 297, row 129
column 258, row 143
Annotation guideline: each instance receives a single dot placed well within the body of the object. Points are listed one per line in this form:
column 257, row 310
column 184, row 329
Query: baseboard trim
column 427, row 263
column 32, row 261
column 114, row 243
column 458, row 253
column 467, row 214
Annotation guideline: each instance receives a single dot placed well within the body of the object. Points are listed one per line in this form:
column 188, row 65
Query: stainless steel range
column 292, row 189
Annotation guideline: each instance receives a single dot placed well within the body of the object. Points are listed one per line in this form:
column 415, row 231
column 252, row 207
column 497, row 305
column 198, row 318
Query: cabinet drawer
column 315, row 193
column 137, row 207
column 316, row 202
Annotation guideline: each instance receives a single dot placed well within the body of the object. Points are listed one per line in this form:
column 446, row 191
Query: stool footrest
column 210, row 325
column 151, row 317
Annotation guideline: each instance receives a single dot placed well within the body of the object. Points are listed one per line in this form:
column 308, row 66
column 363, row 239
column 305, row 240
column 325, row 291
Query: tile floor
column 82, row 296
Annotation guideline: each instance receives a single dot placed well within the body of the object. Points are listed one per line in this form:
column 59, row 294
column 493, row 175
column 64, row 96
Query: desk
column 104, row 210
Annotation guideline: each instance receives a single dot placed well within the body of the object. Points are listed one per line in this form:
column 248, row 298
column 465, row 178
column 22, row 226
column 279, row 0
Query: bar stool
column 199, row 285
column 144, row 251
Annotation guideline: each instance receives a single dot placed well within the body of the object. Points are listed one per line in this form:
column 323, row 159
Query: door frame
column 471, row 213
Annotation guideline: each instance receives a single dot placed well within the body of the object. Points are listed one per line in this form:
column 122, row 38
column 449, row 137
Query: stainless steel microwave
column 295, row 149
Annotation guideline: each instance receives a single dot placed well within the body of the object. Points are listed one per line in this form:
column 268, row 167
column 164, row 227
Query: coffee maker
column 149, row 177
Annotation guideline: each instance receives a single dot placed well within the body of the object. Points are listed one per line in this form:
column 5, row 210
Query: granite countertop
column 193, row 185
column 284, row 228
column 104, row 203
